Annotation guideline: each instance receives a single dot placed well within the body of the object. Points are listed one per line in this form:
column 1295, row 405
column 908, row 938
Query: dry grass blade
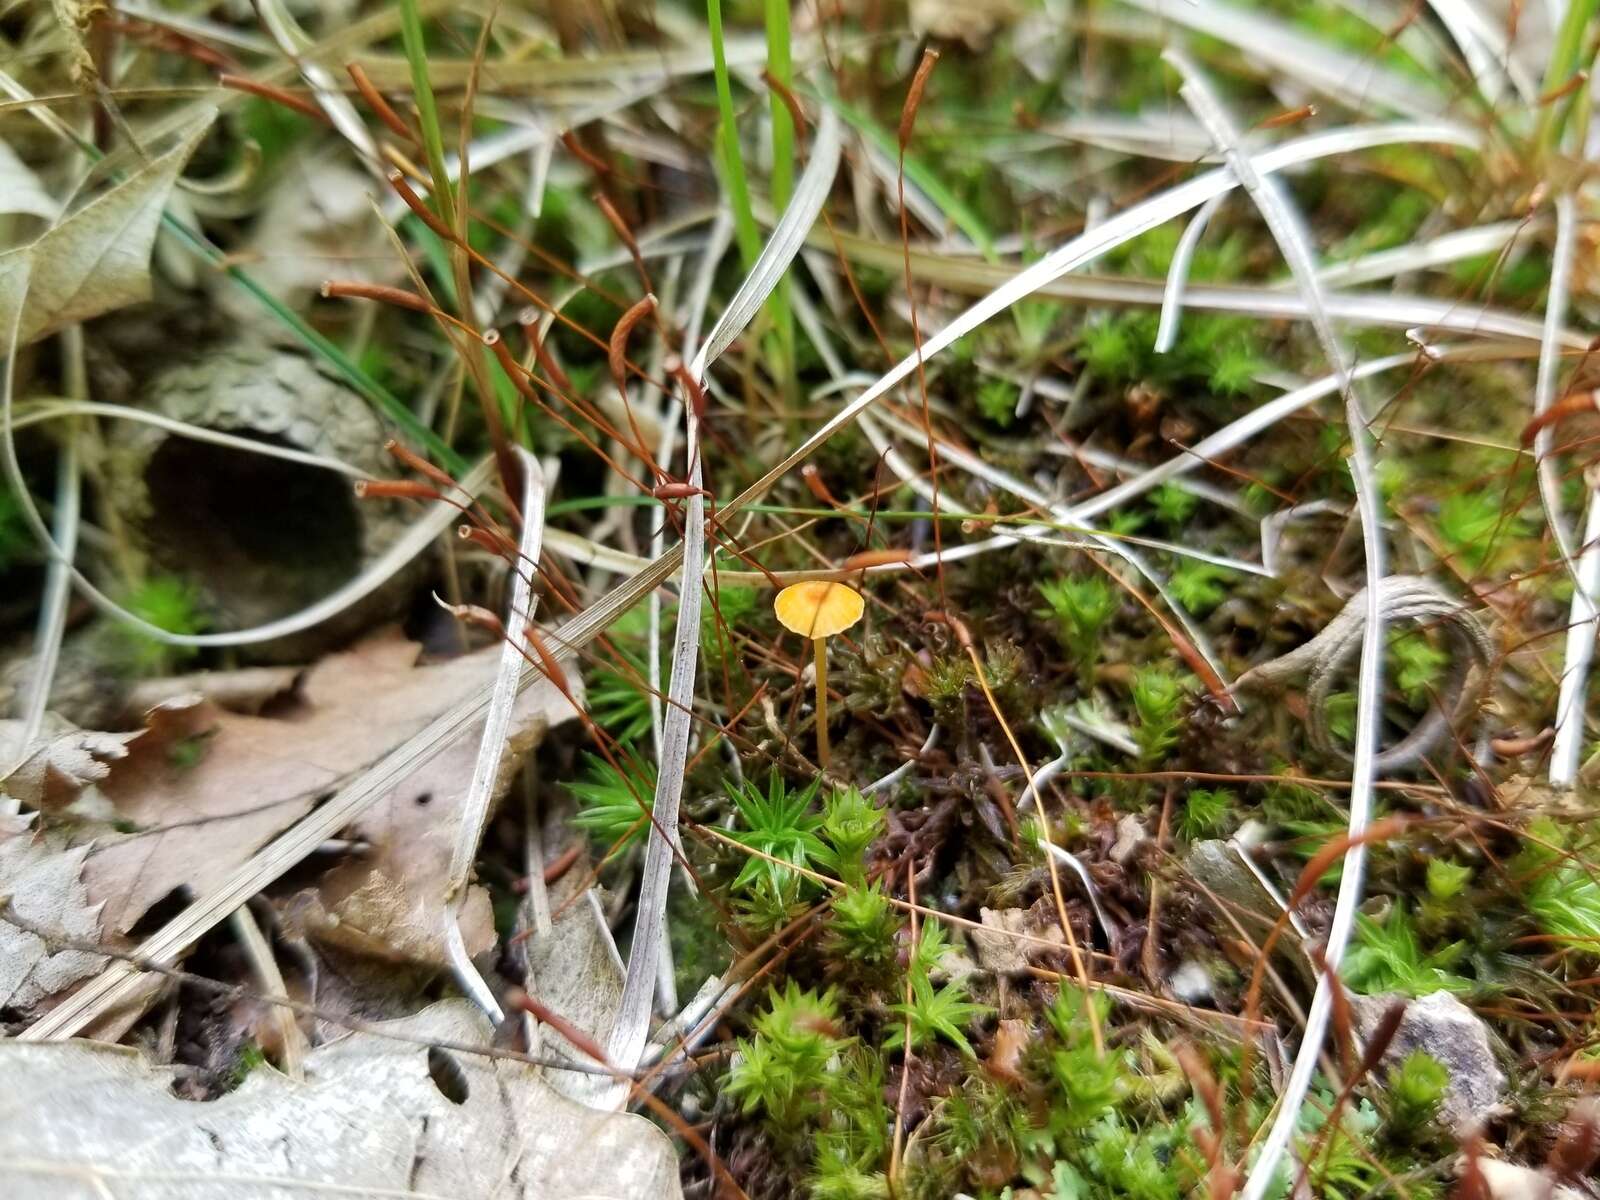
column 1486, row 50
column 294, row 43
column 1289, row 232
column 37, row 412
column 628, row 1034
column 1545, row 382
column 1581, row 619
column 1346, row 77
column 788, row 235
column 605, row 73
column 1397, row 310
column 52, row 605
column 717, row 243
column 1178, row 274
column 474, row 814
column 1418, row 256
column 1068, row 859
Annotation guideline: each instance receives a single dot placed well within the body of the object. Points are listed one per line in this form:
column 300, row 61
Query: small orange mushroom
column 818, row 609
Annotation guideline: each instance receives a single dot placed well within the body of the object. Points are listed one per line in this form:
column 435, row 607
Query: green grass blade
column 390, row 404
column 744, row 217
column 1563, row 65
column 427, row 111
column 781, row 67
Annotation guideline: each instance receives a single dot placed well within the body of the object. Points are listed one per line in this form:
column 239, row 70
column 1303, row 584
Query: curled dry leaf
column 1512, row 1181
column 205, row 789
column 42, row 884
column 98, row 258
column 60, row 762
column 86, row 1119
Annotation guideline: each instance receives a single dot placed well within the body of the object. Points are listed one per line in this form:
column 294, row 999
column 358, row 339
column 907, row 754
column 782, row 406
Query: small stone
column 1450, row 1032
column 1130, row 837
column 1190, row 982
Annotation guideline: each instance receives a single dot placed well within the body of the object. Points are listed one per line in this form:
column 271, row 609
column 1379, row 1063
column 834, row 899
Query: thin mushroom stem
column 822, row 701
column 817, row 611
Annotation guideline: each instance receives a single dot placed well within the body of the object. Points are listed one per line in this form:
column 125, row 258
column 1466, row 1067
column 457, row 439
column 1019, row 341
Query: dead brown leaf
column 85, row 1119
column 208, row 788
column 1000, row 948
column 43, row 885
column 61, row 761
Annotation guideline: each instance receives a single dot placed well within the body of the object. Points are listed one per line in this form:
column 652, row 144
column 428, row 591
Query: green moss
column 997, row 401
column 1446, row 879
column 1222, row 352
column 946, row 689
column 1078, row 609
column 1474, row 524
column 862, row 928
column 1199, row 586
column 15, row 539
column 850, row 824
column 1557, row 887
column 1174, row 505
column 934, row 1013
column 166, row 602
column 1415, row 1090
column 1206, row 812
column 1388, row 956
column 783, row 1070
column 1158, row 696
column 612, row 803
column 699, row 945
column 251, row 1058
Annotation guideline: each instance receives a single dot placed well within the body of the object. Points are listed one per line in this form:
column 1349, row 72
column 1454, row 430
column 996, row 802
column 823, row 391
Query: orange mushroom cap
column 818, row 608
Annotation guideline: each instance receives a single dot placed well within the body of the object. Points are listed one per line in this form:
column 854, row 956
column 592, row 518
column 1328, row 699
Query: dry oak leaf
column 61, row 761
column 388, row 903
column 84, row 1119
column 206, row 789
column 43, row 885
